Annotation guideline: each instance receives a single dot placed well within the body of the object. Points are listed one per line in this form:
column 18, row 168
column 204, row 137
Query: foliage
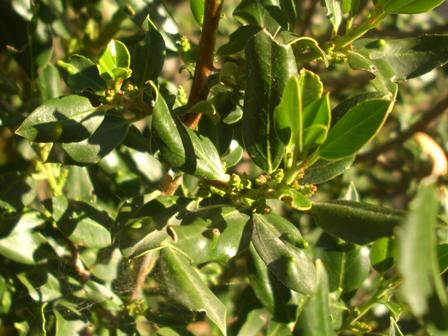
column 254, row 205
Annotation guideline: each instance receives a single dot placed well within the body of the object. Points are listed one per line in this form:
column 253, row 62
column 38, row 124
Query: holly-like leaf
column 278, row 246
column 66, row 119
column 357, row 127
column 355, row 222
column 269, row 67
column 184, row 284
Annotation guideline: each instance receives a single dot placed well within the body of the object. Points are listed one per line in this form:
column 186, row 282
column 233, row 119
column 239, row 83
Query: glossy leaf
column 214, row 235
column 81, row 74
column 115, row 61
column 383, row 254
column 182, row 147
column 149, row 56
column 66, row 119
column 326, row 170
column 262, row 13
column 357, row 127
column 109, row 135
column 347, row 264
column 417, row 250
column 295, row 199
column 197, row 8
column 184, row 284
column 405, row 58
column 315, row 318
column 270, row 65
column 409, row 6
column 237, row 40
column 287, row 262
column 355, row 222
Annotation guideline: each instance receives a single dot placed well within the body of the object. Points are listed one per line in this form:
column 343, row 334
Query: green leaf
column 109, row 135
column 347, row 264
column 416, row 239
column 197, row 8
column 41, row 286
column 409, row 6
column 211, row 235
column 149, row 56
column 326, row 170
column 357, row 127
column 182, row 148
column 315, row 318
column 81, row 74
column 278, row 245
column 233, row 155
column 49, row 83
column 334, row 14
column 254, row 323
column 67, row 327
column 405, row 58
column 294, row 198
column 355, row 222
column 115, row 61
column 383, row 254
column 145, row 228
column 184, row 284
column 66, row 119
column 238, row 40
column 20, row 233
column 262, row 13
column 79, row 186
column 269, row 66
column 442, row 253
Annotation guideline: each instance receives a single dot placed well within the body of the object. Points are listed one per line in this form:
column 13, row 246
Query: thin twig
column 402, row 137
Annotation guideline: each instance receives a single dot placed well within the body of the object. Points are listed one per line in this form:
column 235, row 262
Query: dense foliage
column 254, row 167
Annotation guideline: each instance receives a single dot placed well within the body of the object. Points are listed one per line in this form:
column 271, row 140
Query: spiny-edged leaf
column 237, row 40
column 347, row 264
column 145, row 227
column 106, row 138
column 405, row 58
column 211, row 235
column 182, row 148
column 66, row 119
column 149, row 55
column 326, row 170
column 357, row 127
column 355, row 222
column 115, row 61
column 417, row 250
column 295, row 199
column 269, row 66
column 19, row 241
column 184, row 284
column 81, row 74
column 197, row 8
column 383, row 254
column 279, row 249
column 409, row 6
column 315, row 318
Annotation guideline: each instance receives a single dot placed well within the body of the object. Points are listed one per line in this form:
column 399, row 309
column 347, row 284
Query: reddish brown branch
column 204, row 65
column 420, row 125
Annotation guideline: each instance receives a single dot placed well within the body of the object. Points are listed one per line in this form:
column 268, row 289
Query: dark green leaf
column 408, row 6
column 325, row 170
column 41, row 286
column 263, row 13
column 184, row 284
column 355, row 222
column 66, row 119
column 315, row 318
column 442, row 253
column 383, row 254
column 237, row 40
column 269, row 66
column 109, row 135
column 81, row 74
column 357, row 127
column 149, row 56
column 49, row 83
column 278, row 246
column 217, row 234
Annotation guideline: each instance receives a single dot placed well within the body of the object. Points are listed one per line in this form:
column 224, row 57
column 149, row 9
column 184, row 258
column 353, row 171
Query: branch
column 204, row 65
column 402, row 137
column 199, row 91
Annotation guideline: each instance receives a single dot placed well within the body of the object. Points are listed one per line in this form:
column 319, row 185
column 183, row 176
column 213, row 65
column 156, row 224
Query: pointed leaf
column 293, row 198
column 184, row 284
column 326, row 170
column 115, row 61
column 409, row 6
